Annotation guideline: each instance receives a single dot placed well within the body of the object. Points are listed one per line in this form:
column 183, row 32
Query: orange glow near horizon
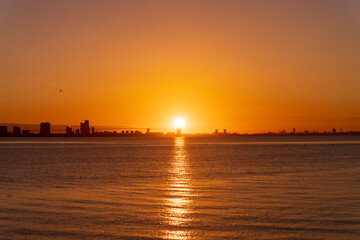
column 241, row 65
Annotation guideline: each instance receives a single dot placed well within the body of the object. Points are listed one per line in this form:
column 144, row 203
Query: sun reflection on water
column 179, row 192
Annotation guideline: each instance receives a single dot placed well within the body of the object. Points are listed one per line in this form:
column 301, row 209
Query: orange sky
column 248, row 66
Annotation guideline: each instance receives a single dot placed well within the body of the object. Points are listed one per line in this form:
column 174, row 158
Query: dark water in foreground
column 199, row 188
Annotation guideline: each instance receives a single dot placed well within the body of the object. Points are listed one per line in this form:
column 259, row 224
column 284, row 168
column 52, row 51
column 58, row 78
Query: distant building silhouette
column 77, row 131
column 224, row 131
column 178, row 131
column 3, row 131
column 85, row 128
column 69, row 130
column 148, row 130
column 294, row 130
column 16, row 131
column 45, row 129
column 216, row 131
column 26, row 132
column 334, row 131
column 93, row 130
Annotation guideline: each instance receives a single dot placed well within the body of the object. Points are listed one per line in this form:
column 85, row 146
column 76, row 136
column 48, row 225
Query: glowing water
column 201, row 188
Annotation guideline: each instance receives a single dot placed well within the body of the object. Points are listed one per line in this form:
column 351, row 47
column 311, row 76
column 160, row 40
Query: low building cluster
column 86, row 131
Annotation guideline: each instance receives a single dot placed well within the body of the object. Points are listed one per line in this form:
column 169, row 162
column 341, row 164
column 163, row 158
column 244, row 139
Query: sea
column 246, row 187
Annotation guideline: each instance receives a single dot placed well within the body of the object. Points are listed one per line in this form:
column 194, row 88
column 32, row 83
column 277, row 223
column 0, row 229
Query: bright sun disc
column 179, row 122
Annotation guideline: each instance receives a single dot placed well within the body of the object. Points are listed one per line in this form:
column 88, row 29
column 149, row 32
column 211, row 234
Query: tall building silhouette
column 45, row 129
column 16, row 131
column 178, row 131
column 3, row 131
column 69, row 130
column 85, row 128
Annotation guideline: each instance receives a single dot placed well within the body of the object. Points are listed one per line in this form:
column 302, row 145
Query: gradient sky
column 248, row 66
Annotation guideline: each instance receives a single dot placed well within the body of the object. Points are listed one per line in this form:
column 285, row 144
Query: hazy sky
column 247, row 66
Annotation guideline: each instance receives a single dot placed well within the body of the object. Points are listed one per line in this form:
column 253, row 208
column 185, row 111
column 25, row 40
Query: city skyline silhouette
column 85, row 130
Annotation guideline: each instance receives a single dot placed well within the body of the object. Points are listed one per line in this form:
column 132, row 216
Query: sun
column 179, row 122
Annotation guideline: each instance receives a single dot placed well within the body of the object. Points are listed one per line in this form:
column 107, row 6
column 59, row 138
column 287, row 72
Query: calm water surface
column 180, row 188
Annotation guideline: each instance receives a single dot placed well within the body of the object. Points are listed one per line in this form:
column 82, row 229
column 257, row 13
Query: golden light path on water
column 179, row 192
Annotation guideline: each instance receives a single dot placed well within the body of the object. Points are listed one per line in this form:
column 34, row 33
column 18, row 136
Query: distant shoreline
column 166, row 135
